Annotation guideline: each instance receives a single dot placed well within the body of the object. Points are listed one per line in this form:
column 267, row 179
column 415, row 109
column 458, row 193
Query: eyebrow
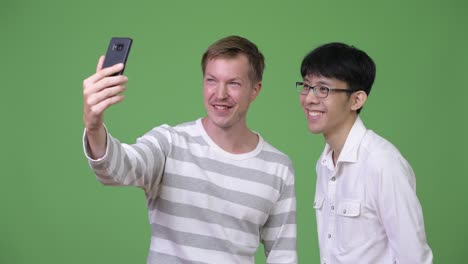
column 209, row 75
column 237, row 79
column 318, row 83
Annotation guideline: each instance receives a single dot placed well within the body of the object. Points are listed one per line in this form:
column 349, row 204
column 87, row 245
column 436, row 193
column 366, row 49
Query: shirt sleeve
column 140, row 164
column 278, row 234
column 400, row 211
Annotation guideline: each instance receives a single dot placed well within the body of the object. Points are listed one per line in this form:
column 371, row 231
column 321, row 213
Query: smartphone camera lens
column 118, row 47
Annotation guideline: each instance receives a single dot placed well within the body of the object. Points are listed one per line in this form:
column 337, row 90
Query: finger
column 103, row 105
column 100, row 63
column 105, row 72
column 107, row 83
column 91, row 86
column 96, row 98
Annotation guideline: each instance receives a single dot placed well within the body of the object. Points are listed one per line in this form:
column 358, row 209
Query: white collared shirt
column 366, row 206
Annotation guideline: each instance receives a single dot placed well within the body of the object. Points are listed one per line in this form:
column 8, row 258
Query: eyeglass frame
column 314, row 89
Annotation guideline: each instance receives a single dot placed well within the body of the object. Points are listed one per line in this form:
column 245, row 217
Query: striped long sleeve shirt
column 206, row 205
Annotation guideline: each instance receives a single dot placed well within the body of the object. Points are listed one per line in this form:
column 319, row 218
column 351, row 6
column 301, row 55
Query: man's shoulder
column 378, row 145
column 274, row 154
column 186, row 125
column 186, row 131
column 181, row 128
column 380, row 152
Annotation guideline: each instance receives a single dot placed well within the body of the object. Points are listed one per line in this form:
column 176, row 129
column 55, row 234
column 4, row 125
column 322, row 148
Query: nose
column 310, row 98
column 221, row 91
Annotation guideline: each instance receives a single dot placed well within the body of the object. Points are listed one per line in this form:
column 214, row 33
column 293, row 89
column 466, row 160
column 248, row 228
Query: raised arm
column 100, row 91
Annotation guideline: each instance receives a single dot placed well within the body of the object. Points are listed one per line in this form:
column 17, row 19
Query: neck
column 235, row 139
column 337, row 136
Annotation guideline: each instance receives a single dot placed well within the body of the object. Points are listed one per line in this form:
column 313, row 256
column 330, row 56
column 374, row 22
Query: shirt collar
column 349, row 153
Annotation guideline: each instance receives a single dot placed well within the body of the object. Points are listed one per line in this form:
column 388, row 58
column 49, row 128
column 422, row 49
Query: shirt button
column 333, row 178
column 333, row 207
column 344, row 211
column 329, row 235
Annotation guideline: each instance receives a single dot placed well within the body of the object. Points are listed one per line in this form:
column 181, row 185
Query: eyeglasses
column 320, row 91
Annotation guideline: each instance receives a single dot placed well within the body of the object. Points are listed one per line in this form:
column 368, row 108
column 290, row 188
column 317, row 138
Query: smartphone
column 117, row 52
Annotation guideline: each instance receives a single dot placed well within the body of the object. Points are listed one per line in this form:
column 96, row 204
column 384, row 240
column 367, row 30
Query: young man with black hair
column 366, row 205
column 214, row 188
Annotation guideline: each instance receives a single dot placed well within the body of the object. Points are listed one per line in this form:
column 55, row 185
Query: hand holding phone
column 98, row 95
column 117, row 52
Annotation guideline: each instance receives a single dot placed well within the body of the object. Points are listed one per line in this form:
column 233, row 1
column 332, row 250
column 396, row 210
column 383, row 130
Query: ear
column 358, row 99
column 257, row 87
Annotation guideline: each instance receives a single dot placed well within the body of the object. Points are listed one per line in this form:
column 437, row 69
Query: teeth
column 313, row 113
column 220, row 107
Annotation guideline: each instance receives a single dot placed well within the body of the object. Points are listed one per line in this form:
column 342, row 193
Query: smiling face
column 228, row 92
column 334, row 114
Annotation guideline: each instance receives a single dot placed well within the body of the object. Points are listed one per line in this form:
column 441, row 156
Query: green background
column 52, row 209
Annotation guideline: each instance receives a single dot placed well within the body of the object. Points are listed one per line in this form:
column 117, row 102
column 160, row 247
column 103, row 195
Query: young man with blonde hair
column 214, row 188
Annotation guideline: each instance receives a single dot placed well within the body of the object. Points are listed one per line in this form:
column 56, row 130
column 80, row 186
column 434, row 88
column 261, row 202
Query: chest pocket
column 349, row 209
column 350, row 225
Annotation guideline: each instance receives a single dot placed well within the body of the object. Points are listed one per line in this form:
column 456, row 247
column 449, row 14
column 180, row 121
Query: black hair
column 343, row 62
